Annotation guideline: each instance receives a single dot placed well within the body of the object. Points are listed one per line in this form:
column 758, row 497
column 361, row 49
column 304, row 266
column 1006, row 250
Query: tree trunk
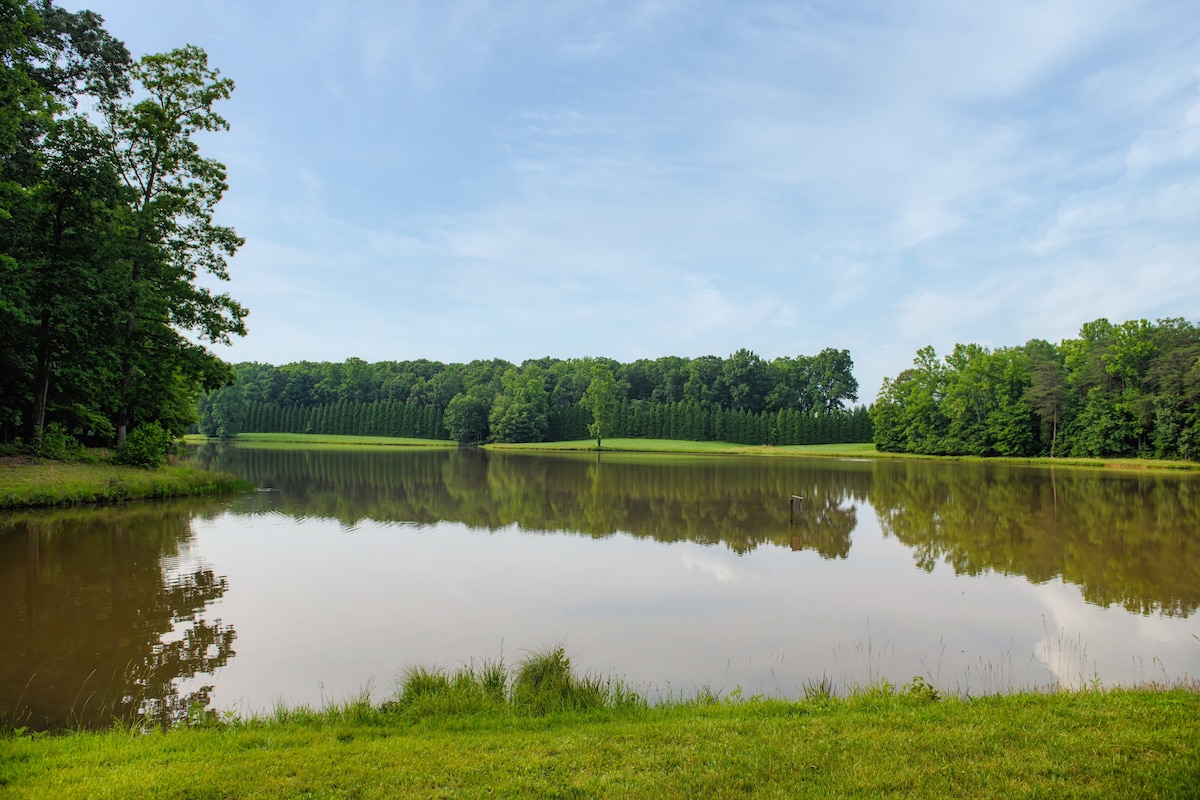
column 43, row 378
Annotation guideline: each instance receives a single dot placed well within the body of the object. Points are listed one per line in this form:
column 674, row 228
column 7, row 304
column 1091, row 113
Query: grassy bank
column 543, row 731
column 857, row 450
column 1127, row 744
column 306, row 439
column 33, row 483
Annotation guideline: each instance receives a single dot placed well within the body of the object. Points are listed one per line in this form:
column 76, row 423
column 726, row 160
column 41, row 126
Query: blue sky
column 469, row 179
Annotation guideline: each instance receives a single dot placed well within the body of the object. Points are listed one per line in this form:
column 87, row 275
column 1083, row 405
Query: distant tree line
column 742, row 398
column 1124, row 390
column 381, row 418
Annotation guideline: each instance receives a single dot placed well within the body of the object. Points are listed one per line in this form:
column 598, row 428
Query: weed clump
column 543, row 683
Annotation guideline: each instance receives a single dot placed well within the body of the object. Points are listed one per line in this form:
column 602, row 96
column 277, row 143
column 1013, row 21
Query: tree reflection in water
column 1129, row 537
column 106, row 614
column 101, row 621
column 741, row 503
column 1124, row 537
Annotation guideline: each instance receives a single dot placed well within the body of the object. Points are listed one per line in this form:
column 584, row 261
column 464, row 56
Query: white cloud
column 692, row 179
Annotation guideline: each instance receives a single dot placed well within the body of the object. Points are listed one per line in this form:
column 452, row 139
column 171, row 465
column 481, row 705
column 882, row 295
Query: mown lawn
column 852, row 450
column 1115, row 744
column 683, row 446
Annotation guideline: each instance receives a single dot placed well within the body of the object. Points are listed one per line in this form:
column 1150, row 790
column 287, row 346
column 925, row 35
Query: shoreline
column 853, row 451
column 842, row 451
column 30, row 483
column 326, row 440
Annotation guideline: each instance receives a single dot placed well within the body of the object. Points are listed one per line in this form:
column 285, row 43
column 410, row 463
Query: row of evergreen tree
column 387, row 418
column 686, row 421
column 739, row 398
column 693, row 422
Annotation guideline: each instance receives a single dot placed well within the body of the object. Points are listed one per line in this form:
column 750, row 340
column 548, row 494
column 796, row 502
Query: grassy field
column 305, row 439
column 854, row 450
column 1122, row 743
column 685, row 446
column 857, row 450
column 32, row 483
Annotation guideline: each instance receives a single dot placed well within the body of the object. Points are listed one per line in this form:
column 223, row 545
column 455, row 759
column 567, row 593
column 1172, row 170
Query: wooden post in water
column 796, row 503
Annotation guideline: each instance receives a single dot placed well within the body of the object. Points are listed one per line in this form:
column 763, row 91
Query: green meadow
column 30, row 483
column 851, row 450
column 542, row 731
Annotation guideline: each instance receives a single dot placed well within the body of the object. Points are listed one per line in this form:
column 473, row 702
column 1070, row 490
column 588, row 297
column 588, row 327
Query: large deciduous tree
column 172, row 235
column 600, row 399
column 1131, row 389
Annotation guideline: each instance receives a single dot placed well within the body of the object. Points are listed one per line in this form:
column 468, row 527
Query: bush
column 147, row 446
column 57, row 444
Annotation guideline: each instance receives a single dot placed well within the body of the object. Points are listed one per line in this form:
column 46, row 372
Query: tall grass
column 543, row 682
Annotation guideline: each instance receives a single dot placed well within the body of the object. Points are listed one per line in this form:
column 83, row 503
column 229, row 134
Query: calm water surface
column 674, row 573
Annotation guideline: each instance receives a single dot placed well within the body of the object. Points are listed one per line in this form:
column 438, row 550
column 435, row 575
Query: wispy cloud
column 477, row 178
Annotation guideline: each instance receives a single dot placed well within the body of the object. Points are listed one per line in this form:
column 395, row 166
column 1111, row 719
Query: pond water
column 676, row 574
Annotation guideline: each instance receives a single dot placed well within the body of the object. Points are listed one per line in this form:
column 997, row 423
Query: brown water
column 674, row 573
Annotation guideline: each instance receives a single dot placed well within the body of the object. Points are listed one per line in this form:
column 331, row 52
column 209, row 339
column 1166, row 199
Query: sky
column 477, row 179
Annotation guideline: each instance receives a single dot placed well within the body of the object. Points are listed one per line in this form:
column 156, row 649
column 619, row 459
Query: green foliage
column 519, row 412
column 56, row 443
column 548, row 399
column 104, row 229
column 147, row 446
column 601, row 400
column 1117, row 391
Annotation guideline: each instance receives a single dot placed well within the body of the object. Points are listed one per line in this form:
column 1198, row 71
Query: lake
column 676, row 574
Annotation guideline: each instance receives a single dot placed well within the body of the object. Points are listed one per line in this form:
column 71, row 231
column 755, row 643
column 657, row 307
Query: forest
column 106, row 230
column 1118, row 390
column 743, row 399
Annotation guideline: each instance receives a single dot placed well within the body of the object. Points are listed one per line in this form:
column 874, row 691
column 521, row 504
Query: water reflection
column 1128, row 538
column 110, row 613
column 739, row 503
column 103, row 616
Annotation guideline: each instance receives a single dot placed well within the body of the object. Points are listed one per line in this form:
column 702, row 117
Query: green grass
column 854, row 450
column 305, row 439
column 649, row 446
column 32, row 483
column 635, row 445
column 876, row 743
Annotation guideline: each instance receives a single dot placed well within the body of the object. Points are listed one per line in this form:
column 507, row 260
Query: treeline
column 742, row 399
column 1127, row 390
column 381, row 418
column 106, row 221
column 687, row 421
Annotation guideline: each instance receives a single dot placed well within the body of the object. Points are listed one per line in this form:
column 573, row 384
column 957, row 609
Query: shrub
column 147, row 446
column 57, row 444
